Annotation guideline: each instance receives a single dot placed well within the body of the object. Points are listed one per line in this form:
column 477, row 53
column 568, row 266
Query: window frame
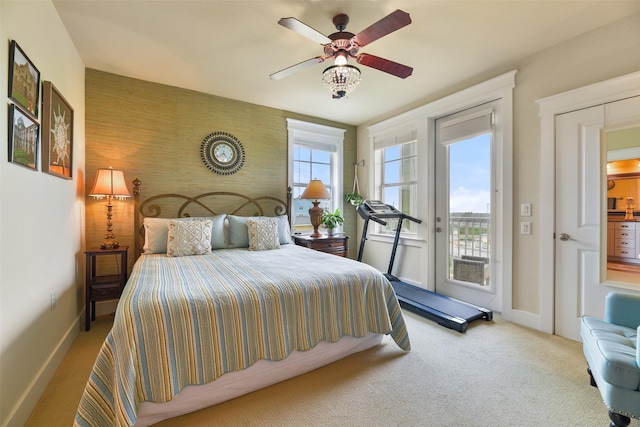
column 316, row 136
column 409, row 228
column 396, row 136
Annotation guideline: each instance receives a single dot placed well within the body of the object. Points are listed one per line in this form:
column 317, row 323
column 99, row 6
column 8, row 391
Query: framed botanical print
column 57, row 132
column 23, row 138
column 24, row 80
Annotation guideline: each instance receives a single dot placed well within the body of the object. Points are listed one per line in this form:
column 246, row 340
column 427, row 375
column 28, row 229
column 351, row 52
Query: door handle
column 564, row 237
column 438, row 229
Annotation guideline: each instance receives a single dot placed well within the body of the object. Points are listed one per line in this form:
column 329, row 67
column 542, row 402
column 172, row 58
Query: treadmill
column 446, row 311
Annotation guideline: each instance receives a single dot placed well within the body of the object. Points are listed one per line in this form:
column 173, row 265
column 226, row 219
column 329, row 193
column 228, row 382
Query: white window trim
column 300, row 130
column 423, row 118
column 389, row 138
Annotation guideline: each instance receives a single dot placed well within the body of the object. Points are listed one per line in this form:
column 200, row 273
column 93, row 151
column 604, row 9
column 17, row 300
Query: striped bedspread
column 189, row 320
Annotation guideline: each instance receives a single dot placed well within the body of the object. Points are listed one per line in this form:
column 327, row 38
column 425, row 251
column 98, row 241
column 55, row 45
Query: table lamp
column 109, row 183
column 315, row 191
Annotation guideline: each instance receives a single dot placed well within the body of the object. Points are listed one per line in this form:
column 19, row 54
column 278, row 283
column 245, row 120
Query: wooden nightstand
column 336, row 245
column 103, row 287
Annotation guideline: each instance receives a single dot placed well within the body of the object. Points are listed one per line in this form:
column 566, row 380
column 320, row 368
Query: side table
column 103, row 287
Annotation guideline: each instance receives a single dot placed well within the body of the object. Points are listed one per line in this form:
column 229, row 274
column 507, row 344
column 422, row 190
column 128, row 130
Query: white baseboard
column 530, row 320
column 20, row 413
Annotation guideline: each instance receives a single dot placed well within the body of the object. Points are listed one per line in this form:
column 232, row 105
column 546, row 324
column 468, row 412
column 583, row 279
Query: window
column 397, row 178
column 315, row 152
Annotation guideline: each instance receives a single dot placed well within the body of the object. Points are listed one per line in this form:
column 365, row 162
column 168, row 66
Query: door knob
column 438, row 229
column 564, row 237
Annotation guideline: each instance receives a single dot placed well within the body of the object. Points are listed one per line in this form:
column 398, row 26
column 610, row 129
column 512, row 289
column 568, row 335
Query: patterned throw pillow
column 263, row 234
column 189, row 237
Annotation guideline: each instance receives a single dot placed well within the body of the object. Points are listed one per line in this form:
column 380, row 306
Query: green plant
column 354, row 198
column 332, row 219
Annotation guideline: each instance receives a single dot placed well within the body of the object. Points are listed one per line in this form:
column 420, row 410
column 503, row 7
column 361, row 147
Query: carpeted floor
column 495, row 374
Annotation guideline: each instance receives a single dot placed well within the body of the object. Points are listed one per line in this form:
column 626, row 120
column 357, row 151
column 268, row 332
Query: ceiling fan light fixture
column 341, row 58
column 341, row 79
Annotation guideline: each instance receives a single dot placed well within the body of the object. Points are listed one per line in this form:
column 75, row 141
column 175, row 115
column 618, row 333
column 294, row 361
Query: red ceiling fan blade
column 390, row 23
column 305, row 30
column 295, row 68
column 385, row 65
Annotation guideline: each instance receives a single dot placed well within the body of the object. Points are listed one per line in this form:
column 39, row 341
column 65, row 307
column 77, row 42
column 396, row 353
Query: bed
column 236, row 308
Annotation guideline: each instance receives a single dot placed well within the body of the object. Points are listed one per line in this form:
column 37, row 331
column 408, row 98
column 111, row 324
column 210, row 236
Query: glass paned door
column 465, row 206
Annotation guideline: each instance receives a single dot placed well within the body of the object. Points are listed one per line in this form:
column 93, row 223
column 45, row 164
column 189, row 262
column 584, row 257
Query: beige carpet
column 495, row 374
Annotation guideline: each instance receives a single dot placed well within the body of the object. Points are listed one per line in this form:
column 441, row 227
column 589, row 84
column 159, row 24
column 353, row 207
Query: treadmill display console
column 378, row 207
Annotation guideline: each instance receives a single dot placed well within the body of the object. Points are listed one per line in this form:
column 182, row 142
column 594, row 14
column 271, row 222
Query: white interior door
column 580, row 199
column 577, row 215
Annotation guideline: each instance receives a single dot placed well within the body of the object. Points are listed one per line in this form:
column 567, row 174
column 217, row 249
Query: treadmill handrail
column 395, row 216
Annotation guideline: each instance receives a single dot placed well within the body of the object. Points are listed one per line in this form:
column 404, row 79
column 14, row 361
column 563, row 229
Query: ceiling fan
column 342, row 78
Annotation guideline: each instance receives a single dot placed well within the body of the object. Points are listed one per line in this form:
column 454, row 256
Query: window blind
column 391, row 140
column 465, row 126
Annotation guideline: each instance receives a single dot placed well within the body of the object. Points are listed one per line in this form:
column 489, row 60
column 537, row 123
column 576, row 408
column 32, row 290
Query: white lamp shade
column 109, row 182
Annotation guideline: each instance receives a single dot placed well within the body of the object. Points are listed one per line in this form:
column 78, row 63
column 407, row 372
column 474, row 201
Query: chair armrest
column 622, row 309
column 638, row 347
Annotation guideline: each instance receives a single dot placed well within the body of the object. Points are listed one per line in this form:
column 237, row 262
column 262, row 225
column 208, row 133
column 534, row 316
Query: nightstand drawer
column 335, row 245
column 329, row 246
column 107, row 291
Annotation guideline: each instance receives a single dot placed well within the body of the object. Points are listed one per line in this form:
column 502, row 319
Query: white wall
column 599, row 55
column 41, row 223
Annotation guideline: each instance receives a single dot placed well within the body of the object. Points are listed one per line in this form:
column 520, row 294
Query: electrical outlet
column 525, row 227
column 53, row 300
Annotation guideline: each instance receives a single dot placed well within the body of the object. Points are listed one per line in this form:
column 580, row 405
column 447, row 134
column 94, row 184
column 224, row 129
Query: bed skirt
column 260, row 375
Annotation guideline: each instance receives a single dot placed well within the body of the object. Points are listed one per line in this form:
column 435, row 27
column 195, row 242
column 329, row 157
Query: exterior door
column 465, row 206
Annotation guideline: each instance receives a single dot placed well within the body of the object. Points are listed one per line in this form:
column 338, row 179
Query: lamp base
column 110, row 241
column 109, row 245
column 315, row 214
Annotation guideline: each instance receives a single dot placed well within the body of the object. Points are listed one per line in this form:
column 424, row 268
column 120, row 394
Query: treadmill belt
column 435, row 301
column 445, row 311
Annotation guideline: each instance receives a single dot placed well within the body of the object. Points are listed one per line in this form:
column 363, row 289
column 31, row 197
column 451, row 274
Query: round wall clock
column 222, row 153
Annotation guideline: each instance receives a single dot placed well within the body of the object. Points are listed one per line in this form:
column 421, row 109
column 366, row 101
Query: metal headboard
column 173, row 205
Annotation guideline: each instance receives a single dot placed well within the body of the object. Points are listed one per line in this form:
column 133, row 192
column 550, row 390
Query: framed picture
column 23, row 138
column 24, row 80
column 57, row 132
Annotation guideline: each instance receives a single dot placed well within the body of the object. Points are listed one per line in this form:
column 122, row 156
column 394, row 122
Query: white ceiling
column 229, row 48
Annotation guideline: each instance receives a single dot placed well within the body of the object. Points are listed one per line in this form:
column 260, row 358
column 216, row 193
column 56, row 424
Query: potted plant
column 331, row 220
column 354, row 198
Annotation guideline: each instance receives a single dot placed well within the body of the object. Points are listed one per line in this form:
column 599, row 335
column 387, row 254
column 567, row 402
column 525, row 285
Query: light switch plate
column 525, row 209
column 525, row 227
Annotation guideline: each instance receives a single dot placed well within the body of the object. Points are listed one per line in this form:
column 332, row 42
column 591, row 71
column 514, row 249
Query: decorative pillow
column 239, row 233
column 263, row 234
column 189, row 237
column 156, row 233
column 218, row 233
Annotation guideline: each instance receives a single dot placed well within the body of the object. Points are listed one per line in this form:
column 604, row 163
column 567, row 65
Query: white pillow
column 263, row 234
column 189, row 237
column 155, row 235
